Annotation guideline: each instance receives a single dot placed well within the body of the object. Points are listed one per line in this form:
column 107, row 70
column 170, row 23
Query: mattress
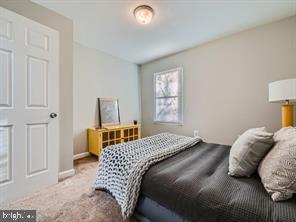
column 149, row 211
column 194, row 186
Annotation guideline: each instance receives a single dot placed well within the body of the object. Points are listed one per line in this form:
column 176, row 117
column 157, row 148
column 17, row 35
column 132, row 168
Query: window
column 168, row 99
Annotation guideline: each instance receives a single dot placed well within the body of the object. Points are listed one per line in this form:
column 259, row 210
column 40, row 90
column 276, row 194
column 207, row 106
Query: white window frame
column 180, row 96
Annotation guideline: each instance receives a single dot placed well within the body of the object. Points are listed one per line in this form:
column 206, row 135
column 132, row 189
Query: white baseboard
column 81, row 155
column 67, row 173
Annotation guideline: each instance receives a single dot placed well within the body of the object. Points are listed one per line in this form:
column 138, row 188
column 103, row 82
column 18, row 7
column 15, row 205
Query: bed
column 194, row 186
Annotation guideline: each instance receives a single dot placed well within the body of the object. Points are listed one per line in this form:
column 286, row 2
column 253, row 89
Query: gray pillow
column 248, row 150
column 278, row 169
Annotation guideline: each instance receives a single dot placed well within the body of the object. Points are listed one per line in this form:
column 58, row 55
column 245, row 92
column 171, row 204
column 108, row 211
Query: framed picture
column 108, row 112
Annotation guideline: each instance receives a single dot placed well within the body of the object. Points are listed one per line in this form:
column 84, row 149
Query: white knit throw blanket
column 122, row 166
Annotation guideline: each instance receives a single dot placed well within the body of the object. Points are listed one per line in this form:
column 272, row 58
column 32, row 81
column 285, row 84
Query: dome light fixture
column 144, row 14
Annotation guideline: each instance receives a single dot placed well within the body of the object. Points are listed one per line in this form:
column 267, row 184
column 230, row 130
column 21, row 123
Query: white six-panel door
column 29, row 137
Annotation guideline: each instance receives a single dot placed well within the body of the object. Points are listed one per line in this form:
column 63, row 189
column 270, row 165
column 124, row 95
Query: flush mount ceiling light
column 144, row 14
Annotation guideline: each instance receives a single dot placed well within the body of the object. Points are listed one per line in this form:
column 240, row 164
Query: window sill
column 168, row 123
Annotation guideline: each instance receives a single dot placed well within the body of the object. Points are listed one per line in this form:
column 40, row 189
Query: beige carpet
column 73, row 199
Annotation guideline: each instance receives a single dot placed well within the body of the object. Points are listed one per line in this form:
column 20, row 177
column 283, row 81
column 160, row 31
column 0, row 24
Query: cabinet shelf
column 98, row 139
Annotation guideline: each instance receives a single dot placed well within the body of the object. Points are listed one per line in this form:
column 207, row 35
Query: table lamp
column 284, row 91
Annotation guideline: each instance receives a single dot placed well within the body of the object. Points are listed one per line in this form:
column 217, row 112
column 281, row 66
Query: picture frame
column 108, row 112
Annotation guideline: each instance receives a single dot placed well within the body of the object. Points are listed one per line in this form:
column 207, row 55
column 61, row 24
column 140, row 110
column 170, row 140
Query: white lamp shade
column 282, row 90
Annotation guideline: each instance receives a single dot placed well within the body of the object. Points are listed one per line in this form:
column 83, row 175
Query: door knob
column 53, row 115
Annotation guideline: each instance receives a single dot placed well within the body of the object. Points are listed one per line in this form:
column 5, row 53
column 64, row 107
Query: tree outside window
column 168, row 98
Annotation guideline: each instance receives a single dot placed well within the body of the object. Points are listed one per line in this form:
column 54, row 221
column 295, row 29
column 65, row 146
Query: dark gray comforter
column 195, row 185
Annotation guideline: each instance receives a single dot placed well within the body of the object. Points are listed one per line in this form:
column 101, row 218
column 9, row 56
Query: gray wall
column 97, row 74
column 226, row 82
column 65, row 27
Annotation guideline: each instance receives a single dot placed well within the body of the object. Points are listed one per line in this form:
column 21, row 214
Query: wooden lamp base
column 287, row 115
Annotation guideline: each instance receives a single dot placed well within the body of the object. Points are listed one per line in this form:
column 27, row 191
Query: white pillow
column 248, row 150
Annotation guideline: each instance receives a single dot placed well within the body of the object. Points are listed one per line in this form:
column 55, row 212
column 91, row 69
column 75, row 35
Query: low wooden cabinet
column 98, row 139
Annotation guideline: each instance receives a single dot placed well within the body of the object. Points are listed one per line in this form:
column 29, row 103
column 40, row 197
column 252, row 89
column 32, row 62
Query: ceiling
column 109, row 25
